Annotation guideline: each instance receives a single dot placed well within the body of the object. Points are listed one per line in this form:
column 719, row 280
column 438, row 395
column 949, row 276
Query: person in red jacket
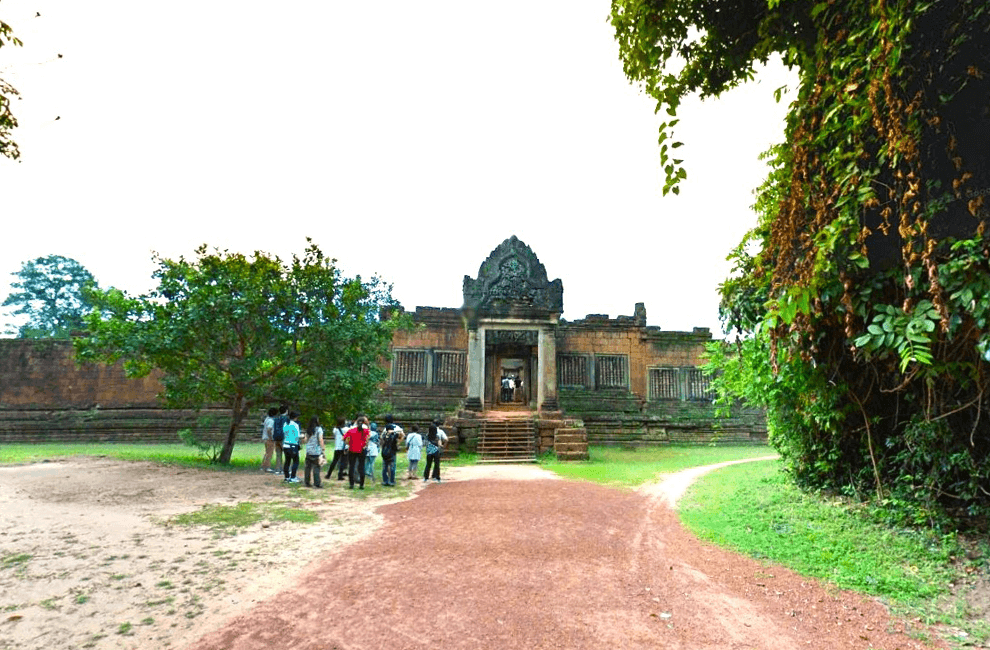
column 356, row 441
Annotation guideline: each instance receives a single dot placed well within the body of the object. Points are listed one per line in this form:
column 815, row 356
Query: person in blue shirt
column 290, row 446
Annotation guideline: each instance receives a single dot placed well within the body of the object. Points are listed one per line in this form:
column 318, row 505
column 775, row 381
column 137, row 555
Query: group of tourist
column 356, row 447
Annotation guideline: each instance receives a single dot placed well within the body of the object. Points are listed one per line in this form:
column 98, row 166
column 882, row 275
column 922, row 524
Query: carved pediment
column 512, row 282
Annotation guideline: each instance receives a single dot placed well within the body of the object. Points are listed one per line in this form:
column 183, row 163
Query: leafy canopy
column 860, row 291
column 51, row 293
column 250, row 331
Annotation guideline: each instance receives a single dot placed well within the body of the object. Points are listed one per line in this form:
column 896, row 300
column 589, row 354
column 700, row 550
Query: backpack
column 389, row 443
column 278, row 434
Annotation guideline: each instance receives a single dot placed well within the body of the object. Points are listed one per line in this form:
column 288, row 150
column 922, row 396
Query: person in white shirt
column 339, row 459
column 441, row 434
column 414, row 450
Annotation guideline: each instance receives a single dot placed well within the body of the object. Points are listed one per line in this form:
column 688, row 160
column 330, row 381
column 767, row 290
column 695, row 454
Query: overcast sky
column 408, row 139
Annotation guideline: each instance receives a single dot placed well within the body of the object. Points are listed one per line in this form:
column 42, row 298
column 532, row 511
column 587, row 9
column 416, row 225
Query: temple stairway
column 507, row 436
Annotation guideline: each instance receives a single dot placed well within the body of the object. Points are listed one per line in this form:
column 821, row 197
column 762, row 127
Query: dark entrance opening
column 508, row 383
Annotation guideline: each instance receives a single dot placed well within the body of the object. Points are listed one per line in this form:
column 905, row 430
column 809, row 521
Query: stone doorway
column 513, row 382
column 511, row 312
column 509, row 383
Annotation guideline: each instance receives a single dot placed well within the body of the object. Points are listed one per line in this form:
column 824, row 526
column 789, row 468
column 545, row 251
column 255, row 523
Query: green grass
column 247, row 454
column 630, row 467
column 242, row 515
column 753, row 508
column 15, row 560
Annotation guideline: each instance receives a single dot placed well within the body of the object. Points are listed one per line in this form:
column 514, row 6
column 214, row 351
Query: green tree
column 867, row 296
column 8, row 147
column 51, row 293
column 250, row 331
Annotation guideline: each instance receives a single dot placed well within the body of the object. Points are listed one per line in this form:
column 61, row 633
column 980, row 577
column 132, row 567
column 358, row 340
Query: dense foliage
column 50, row 294
column 8, row 147
column 249, row 333
column 864, row 310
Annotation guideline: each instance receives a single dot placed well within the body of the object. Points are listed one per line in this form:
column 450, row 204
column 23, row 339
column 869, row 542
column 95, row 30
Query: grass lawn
column 630, row 467
column 247, row 455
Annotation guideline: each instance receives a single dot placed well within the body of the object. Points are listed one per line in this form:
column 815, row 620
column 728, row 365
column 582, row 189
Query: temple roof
column 512, row 283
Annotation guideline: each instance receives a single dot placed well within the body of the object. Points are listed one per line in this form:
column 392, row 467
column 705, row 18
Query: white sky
column 408, row 139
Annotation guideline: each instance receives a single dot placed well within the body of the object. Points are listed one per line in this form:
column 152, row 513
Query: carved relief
column 521, row 337
column 512, row 282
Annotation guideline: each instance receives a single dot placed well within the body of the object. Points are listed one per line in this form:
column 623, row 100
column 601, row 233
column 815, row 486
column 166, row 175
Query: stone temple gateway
column 511, row 312
column 506, row 374
column 507, row 361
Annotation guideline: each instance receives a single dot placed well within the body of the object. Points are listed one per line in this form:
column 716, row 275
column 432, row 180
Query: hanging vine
column 868, row 296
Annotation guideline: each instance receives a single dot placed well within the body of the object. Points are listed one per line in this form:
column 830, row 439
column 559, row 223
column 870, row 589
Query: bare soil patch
column 495, row 557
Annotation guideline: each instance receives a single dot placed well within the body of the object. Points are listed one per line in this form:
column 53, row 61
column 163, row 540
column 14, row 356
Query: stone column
column 547, row 391
column 476, row 370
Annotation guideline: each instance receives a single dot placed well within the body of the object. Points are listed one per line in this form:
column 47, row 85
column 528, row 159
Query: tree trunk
column 237, row 415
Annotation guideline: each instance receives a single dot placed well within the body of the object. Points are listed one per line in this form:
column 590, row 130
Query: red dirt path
column 549, row 564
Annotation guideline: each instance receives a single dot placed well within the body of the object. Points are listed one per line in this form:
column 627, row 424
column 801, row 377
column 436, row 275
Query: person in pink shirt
column 356, row 441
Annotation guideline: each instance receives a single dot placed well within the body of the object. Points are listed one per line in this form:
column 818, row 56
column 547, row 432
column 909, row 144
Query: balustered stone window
column 409, row 367
column 665, row 384
column 572, row 371
column 429, row 367
column 449, row 368
column 611, row 371
column 699, row 386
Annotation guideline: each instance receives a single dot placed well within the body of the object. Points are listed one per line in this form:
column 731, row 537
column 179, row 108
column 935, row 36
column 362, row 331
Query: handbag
column 323, row 460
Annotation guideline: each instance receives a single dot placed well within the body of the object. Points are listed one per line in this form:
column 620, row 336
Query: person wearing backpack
column 390, row 439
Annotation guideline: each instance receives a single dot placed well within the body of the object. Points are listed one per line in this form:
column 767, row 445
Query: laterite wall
column 46, row 396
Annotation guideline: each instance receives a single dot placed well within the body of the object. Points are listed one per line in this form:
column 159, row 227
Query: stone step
column 507, row 439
